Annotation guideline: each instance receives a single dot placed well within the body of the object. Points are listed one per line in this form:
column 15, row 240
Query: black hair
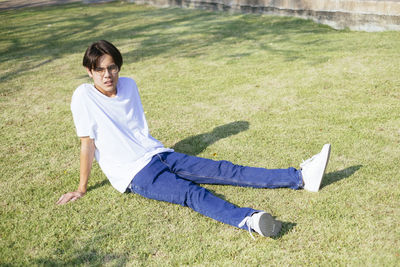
column 98, row 49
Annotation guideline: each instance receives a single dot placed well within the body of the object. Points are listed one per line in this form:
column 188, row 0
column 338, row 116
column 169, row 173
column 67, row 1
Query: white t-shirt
column 119, row 129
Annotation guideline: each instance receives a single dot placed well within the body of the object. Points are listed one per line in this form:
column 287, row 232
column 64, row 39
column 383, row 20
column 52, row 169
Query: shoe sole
column 326, row 165
column 269, row 226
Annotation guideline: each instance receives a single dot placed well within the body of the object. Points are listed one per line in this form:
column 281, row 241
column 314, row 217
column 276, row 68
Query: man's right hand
column 70, row 197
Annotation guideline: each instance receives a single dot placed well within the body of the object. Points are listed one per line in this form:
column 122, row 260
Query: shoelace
column 249, row 222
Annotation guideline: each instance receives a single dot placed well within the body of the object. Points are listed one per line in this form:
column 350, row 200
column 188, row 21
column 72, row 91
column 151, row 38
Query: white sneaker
column 263, row 223
column 314, row 168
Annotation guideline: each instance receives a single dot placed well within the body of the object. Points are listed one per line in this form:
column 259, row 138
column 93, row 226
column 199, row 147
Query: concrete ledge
column 362, row 15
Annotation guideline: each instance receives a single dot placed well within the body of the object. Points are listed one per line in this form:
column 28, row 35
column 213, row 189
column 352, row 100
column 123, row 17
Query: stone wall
column 363, row 15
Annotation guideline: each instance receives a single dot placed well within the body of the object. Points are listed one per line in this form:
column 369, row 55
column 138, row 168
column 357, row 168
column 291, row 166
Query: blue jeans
column 174, row 177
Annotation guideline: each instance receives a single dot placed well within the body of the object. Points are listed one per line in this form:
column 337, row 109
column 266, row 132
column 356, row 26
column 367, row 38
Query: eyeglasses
column 113, row 69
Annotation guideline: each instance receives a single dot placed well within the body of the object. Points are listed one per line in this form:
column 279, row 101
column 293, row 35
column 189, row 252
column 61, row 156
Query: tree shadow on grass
column 60, row 31
column 196, row 144
column 90, row 257
column 86, row 254
column 333, row 177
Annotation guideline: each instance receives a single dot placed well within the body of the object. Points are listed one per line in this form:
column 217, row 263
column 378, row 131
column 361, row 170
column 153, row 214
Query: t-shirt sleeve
column 84, row 123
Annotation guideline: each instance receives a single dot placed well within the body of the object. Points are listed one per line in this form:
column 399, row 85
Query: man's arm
column 86, row 159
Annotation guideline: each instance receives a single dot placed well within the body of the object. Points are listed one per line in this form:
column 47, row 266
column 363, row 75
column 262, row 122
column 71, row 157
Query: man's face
column 105, row 76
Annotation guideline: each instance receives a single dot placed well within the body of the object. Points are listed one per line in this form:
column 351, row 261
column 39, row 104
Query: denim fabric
column 174, row 177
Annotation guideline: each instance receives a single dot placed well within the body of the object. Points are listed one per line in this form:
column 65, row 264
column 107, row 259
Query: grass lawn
column 256, row 90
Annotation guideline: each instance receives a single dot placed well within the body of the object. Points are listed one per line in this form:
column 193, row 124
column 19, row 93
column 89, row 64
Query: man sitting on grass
column 110, row 122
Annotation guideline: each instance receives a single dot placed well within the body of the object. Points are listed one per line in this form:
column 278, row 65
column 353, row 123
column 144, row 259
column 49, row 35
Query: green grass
column 256, row 90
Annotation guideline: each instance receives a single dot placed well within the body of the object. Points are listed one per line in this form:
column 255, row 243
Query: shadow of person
column 196, row 144
column 97, row 185
column 333, row 177
column 286, row 228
